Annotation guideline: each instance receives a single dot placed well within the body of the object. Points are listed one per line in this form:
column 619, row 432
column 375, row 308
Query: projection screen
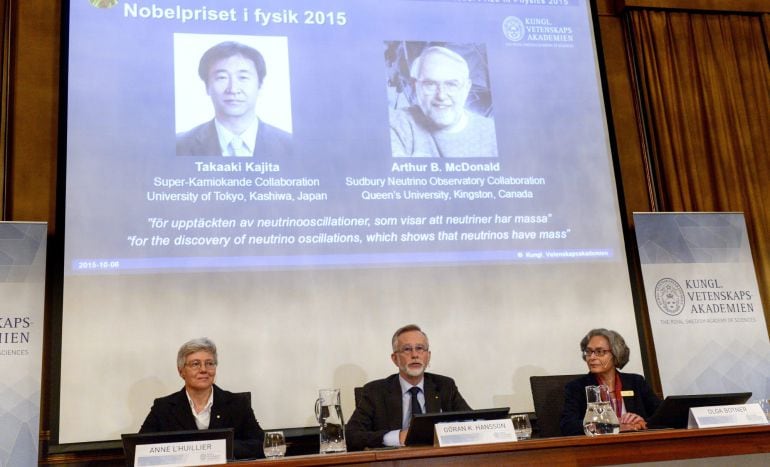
column 478, row 201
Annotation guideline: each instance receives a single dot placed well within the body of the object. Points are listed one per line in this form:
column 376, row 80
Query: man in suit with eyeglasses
column 386, row 405
column 202, row 405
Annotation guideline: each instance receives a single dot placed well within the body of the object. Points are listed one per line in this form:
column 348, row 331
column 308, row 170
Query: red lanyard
column 617, row 392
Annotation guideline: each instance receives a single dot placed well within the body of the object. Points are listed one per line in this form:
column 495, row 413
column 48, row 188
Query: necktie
column 414, row 390
column 238, row 148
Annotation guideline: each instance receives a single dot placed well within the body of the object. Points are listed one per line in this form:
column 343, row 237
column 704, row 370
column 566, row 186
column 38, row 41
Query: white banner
column 705, row 311
column 22, row 291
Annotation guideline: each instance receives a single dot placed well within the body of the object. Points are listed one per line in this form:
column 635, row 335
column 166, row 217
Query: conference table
column 649, row 446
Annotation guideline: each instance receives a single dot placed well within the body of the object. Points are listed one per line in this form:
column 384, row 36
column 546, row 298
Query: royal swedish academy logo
column 669, row 296
column 513, row 29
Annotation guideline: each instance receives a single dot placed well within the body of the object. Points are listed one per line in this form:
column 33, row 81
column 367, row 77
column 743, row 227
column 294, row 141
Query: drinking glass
column 765, row 404
column 274, row 445
column 521, row 426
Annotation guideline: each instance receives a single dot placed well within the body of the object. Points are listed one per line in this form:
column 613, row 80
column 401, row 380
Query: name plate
column 181, row 454
column 475, row 432
column 726, row 415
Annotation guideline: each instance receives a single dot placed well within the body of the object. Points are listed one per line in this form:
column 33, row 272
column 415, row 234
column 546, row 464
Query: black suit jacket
column 204, row 141
column 380, row 411
column 643, row 402
column 173, row 413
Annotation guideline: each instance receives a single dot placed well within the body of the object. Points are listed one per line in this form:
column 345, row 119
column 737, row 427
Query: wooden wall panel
column 628, row 136
column 34, row 103
column 5, row 31
column 747, row 6
column 629, row 147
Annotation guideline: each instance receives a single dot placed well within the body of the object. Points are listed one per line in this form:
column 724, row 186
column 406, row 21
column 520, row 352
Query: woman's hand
column 632, row 422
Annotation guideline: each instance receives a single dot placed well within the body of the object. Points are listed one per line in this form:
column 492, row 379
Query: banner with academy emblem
column 22, row 291
column 706, row 314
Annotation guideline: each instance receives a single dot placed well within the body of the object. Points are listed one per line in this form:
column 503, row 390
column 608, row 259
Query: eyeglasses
column 598, row 352
column 450, row 87
column 197, row 364
column 418, row 349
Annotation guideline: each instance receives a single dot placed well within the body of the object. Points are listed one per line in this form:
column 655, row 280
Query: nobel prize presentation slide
column 444, row 162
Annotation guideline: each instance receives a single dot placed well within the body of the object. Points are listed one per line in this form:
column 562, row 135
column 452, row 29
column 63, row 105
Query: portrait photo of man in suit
column 386, row 405
column 233, row 75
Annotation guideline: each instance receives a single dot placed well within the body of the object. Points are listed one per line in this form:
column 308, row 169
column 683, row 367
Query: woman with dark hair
column 605, row 352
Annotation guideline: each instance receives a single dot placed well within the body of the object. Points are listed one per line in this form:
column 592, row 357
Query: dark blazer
column 380, row 411
column 173, row 413
column 643, row 402
column 204, row 141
